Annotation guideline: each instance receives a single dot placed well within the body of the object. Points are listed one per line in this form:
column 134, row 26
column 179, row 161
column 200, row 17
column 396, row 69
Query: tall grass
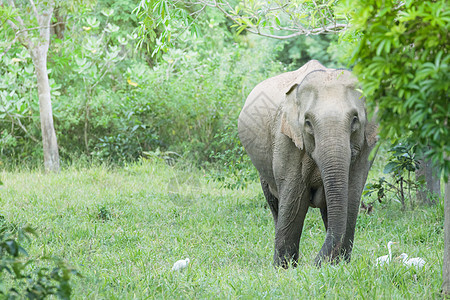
column 123, row 228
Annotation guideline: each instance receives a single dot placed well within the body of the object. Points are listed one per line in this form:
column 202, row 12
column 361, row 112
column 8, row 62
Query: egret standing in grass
column 385, row 259
column 415, row 261
column 180, row 264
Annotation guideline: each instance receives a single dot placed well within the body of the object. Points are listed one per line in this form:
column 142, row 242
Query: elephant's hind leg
column 271, row 200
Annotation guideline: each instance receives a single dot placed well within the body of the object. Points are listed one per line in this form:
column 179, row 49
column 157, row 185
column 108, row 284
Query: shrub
column 400, row 164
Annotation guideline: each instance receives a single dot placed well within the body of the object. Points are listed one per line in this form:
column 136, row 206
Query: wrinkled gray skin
column 308, row 136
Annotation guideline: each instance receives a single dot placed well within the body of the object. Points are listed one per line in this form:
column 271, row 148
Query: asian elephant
column 308, row 135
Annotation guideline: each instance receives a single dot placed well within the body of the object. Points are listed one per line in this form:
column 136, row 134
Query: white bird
column 415, row 261
column 180, row 264
column 385, row 259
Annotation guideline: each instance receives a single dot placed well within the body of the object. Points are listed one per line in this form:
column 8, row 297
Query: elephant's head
column 324, row 115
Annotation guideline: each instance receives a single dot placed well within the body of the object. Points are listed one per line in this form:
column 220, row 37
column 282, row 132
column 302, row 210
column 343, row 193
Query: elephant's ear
column 290, row 125
column 371, row 133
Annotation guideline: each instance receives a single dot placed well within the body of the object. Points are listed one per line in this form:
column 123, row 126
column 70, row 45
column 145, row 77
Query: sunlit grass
column 124, row 228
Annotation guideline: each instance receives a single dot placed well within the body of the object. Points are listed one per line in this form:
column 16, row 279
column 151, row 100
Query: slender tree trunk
column 39, row 55
column 433, row 183
column 58, row 26
column 402, row 194
column 51, row 154
column 446, row 264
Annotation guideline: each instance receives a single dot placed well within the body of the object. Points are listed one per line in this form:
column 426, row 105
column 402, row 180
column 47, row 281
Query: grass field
column 123, row 228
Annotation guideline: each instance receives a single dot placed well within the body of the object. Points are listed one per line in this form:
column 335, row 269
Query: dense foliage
column 166, row 20
column 402, row 61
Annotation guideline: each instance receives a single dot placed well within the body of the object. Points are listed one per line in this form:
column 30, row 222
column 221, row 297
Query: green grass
column 123, row 229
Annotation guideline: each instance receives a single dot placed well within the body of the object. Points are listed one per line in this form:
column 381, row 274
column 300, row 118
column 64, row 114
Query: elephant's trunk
column 334, row 162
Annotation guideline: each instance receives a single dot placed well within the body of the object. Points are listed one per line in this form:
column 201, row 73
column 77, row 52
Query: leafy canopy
column 164, row 21
column 402, row 61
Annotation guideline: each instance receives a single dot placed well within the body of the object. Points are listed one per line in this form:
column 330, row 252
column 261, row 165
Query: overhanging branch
column 329, row 24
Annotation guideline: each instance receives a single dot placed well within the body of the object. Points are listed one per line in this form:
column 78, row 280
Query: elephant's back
column 268, row 94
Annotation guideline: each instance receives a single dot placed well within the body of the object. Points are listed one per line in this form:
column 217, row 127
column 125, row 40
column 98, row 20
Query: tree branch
column 297, row 29
column 41, row 27
column 316, row 31
column 26, row 131
column 44, row 20
column 35, row 10
column 25, row 40
column 9, row 46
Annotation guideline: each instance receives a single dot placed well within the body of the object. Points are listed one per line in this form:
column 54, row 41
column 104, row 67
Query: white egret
column 385, row 259
column 180, row 264
column 415, row 261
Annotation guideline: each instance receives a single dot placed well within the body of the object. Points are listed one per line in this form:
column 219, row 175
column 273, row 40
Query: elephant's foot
column 346, row 253
column 327, row 259
column 285, row 261
column 330, row 253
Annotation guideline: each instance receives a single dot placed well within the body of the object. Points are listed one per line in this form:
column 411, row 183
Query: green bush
column 297, row 52
column 400, row 167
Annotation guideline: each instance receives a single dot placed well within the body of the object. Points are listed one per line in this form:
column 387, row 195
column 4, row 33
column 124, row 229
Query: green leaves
column 169, row 18
column 402, row 159
column 92, row 22
column 111, row 28
column 401, row 163
column 403, row 66
column 164, row 21
column 107, row 12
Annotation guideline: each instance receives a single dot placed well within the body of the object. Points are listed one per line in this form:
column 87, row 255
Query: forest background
column 113, row 102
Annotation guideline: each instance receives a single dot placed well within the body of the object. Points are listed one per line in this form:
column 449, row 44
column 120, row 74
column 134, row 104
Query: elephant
column 308, row 135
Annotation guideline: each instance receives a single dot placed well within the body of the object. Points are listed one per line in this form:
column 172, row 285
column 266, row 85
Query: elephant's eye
column 355, row 123
column 309, row 127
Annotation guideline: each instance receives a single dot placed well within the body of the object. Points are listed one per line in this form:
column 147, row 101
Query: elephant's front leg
column 294, row 203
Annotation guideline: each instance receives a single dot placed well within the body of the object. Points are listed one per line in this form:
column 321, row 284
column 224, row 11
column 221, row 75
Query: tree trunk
column 39, row 52
column 433, row 183
column 446, row 264
column 51, row 154
column 59, row 26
